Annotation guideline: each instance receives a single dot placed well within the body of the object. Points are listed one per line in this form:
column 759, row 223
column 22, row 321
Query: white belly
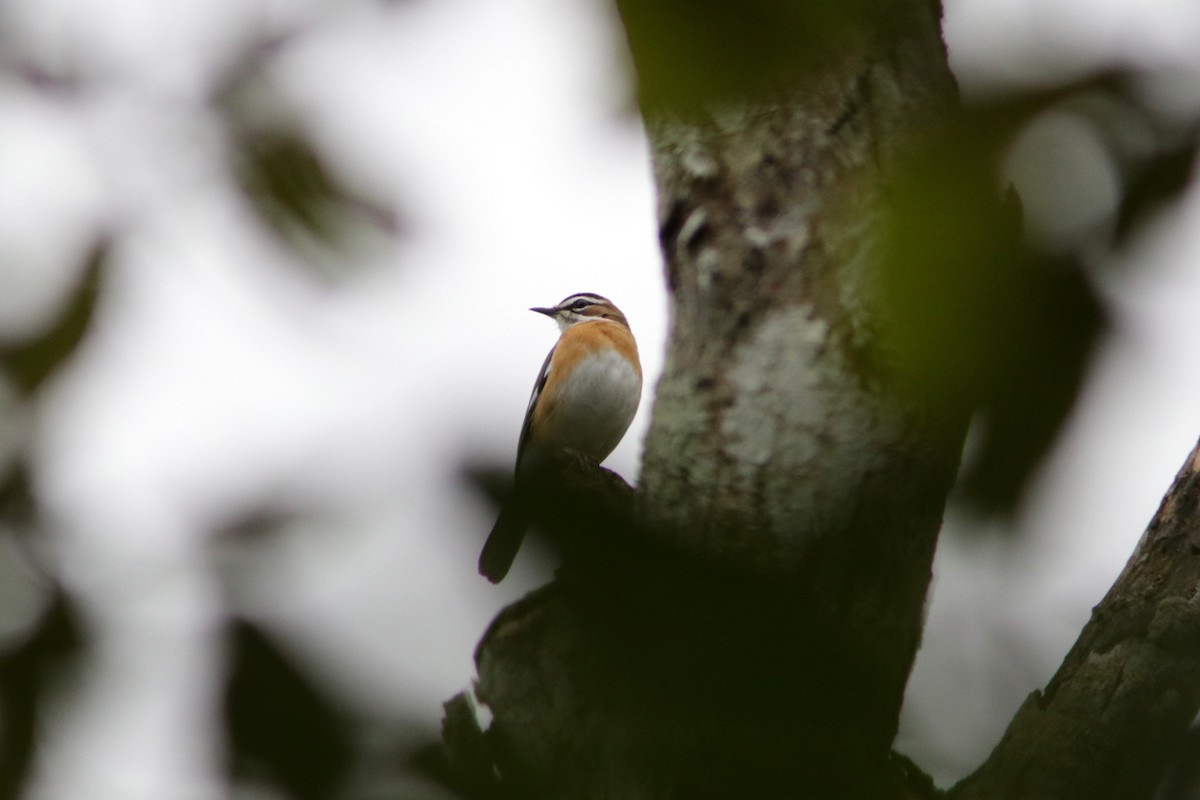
column 596, row 405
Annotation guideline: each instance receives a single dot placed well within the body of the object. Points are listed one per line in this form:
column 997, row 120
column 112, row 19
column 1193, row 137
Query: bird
column 583, row 401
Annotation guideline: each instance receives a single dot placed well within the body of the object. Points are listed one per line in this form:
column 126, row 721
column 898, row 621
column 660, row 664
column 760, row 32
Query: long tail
column 503, row 542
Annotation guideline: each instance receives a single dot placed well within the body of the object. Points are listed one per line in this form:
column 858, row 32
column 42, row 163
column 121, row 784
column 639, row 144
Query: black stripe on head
column 585, row 297
column 586, row 306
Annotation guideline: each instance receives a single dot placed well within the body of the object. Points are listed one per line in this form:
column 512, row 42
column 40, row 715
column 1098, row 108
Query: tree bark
column 745, row 625
column 1106, row 724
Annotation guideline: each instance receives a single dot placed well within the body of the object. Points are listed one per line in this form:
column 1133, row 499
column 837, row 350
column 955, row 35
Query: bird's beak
column 549, row 312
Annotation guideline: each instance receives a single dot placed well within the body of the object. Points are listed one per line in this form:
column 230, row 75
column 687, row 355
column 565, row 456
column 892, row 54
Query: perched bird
column 583, row 401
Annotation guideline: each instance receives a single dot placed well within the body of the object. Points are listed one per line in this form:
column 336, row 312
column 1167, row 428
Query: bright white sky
column 220, row 376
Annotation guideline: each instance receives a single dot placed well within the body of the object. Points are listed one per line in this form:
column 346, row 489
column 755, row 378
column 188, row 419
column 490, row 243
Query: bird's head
column 583, row 307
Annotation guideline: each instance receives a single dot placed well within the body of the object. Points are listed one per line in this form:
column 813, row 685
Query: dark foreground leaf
column 24, row 673
column 280, row 726
column 29, row 363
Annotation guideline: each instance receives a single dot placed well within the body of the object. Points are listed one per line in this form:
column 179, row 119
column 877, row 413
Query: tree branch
column 1105, row 725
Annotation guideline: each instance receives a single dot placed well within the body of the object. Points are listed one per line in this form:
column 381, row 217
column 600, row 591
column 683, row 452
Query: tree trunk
column 744, row 626
column 1107, row 723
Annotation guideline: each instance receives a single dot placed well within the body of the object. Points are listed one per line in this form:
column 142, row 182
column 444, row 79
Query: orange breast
column 592, row 393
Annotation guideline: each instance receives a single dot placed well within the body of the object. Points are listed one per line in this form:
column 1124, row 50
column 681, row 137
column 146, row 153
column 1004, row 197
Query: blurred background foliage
column 313, row 209
column 693, row 57
column 992, row 309
column 285, row 733
column 992, row 305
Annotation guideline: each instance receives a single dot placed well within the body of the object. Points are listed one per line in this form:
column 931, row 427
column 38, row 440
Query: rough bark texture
column 1106, row 724
column 777, row 445
column 746, row 628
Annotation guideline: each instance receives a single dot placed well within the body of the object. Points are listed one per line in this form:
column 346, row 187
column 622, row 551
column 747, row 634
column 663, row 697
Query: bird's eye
column 579, row 305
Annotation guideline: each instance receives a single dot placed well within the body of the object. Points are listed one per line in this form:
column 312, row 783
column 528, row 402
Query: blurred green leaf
column 689, row 55
column 1035, row 388
column 16, row 494
column 492, row 481
column 298, row 196
column 976, row 321
column 24, row 673
column 1156, row 183
column 953, row 283
column 280, row 169
column 279, row 724
column 979, row 321
column 29, row 363
column 288, row 183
